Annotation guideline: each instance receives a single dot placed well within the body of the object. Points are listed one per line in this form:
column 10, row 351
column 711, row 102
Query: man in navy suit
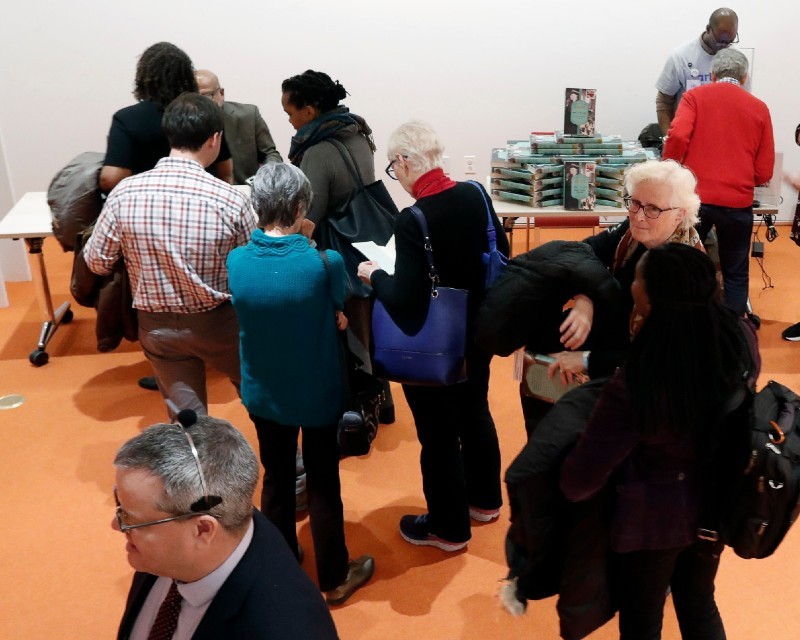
column 184, row 502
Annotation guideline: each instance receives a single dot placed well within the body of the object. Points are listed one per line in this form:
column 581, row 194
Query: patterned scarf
column 327, row 125
column 628, row 246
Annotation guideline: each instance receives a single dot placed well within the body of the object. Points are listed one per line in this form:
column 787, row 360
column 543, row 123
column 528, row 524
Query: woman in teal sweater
column 289, row 310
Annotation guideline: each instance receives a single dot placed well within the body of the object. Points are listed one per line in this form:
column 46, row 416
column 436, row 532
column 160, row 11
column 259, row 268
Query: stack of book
column 521, row 177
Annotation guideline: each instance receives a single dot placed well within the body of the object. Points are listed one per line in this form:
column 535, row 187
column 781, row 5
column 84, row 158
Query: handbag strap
column 433, row 274
column 491, row 234
column 349, row 161
column 341, row 338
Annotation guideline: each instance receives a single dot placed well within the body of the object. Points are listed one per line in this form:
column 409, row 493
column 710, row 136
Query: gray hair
column 280, row 191
column 229, row 464
column 681, row 179
column 419, row 144
column 730, row 63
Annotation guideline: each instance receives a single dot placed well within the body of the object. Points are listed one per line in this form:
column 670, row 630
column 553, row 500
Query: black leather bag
column 367, row 215
column 363, row 397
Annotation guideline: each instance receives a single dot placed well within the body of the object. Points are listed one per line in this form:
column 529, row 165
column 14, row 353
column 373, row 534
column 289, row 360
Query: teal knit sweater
column 285, row 304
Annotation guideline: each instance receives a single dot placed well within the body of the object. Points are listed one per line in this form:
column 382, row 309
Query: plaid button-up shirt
column 175, row 226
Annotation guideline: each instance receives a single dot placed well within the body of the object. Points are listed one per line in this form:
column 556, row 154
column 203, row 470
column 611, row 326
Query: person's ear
column 205, row 529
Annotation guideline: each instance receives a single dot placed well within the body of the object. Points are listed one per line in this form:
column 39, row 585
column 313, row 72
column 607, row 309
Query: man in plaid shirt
column 175, row 226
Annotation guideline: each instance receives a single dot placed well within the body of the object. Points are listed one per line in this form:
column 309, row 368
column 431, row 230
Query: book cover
column 579, row 112
column 579, row 186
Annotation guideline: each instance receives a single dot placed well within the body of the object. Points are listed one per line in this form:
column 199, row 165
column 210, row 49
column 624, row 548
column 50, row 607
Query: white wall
column 480, row 72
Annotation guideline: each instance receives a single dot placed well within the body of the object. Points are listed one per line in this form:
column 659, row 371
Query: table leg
column 53, row 319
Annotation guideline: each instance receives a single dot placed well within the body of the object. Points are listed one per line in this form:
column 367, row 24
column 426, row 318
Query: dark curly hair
column 313, row 88
column 163, row 73
column 690, row 352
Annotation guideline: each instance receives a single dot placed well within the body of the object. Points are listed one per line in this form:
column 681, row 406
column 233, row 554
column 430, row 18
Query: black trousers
column 278, row 447
column 641, row 581
column 734, row 228
column 460, row 457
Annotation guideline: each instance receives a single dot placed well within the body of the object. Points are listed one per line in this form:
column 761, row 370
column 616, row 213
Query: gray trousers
column 180, row 345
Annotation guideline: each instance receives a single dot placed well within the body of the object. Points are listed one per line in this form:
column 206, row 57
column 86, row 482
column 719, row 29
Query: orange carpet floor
column 63, row 572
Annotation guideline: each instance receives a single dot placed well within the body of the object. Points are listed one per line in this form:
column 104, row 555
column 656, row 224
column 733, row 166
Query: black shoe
column 386, row 415
column 149, row 383
column 358, row 574
column 417, row 530
column 792, row 334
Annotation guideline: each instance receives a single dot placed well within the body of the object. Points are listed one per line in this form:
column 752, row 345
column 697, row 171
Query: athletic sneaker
column 792, row 334
column 417, row 530
column 484, row 515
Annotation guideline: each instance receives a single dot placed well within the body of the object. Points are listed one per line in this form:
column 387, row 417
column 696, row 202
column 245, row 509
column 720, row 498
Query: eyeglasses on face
column 121, row 515
column 724, row 43
column 649, row 210
column 210, row 94
column 390, row 167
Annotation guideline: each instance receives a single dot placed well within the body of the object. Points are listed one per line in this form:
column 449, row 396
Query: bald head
column 208, row 86
column 722, row 29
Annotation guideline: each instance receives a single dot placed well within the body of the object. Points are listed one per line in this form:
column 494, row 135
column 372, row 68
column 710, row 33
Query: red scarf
column 432, row 183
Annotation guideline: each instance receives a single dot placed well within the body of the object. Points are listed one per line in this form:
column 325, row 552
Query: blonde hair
column 679, row 178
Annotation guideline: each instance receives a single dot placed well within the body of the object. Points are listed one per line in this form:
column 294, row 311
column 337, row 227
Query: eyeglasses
column 649, row 210
column 723, row 43
column 210, row 94
column 199, row 507
column 120, row 513
column 390, row 167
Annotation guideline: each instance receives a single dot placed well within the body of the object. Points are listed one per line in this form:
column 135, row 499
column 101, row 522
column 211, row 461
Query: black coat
column 554, row 546
column 524, row 307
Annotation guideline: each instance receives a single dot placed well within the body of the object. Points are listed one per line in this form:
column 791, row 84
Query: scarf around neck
column 327, row 125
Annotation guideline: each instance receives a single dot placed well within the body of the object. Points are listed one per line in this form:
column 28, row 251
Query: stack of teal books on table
column 521, row 177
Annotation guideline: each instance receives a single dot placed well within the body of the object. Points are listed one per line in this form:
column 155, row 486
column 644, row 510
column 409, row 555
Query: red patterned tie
column 167, row 618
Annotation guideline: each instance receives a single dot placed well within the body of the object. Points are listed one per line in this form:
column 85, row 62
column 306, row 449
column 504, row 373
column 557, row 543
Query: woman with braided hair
column 647, row 437
column 312, row 102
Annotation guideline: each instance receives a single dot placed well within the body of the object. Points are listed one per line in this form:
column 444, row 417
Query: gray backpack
column 74, row 197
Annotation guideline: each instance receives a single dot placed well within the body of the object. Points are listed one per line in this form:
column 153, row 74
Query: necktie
column 167, row 617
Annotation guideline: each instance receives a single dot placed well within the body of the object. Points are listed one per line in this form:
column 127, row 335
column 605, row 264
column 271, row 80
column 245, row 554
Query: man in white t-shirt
column 689, row 65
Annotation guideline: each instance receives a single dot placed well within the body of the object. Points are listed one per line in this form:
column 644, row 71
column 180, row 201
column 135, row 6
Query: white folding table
column 30, row 220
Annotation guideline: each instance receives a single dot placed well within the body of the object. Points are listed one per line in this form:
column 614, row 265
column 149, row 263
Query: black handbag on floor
column 367, row 215
column 363, row 397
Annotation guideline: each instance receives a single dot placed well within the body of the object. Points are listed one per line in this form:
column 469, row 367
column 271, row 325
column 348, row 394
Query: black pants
column 278, row 447
column 641, row 581
column 460, row 458
column 734, row 228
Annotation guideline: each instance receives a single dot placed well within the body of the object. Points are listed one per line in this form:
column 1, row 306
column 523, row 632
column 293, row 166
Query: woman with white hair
column 662, row 207
column 289, row 307
column 460, row 457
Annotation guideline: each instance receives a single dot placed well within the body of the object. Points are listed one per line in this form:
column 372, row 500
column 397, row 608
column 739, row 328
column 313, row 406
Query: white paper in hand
column 384, row 256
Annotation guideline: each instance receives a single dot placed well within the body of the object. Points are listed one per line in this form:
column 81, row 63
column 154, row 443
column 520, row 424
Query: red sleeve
column 608, row 440
column 765, row 156
column 681, row 129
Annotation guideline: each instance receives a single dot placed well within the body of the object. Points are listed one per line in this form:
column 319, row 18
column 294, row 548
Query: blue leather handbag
column 435, row 354
column 493, row 261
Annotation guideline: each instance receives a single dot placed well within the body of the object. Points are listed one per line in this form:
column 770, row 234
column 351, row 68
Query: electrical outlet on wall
column 446, row 165
column 469, row 165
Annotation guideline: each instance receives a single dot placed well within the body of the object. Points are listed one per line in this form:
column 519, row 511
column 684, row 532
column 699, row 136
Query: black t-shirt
column 136, row 140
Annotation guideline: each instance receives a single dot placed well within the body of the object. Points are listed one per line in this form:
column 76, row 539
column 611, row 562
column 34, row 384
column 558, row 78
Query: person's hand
column 575, row 329
column 793, row 180
column 366, row 269
column 569, row 366
column 341, row 321
column 307, row 228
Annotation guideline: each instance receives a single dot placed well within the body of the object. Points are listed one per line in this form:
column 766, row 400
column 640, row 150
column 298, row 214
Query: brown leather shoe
column 358, row 574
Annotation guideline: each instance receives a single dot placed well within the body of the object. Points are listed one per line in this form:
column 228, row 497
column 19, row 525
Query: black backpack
column 752, row 488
